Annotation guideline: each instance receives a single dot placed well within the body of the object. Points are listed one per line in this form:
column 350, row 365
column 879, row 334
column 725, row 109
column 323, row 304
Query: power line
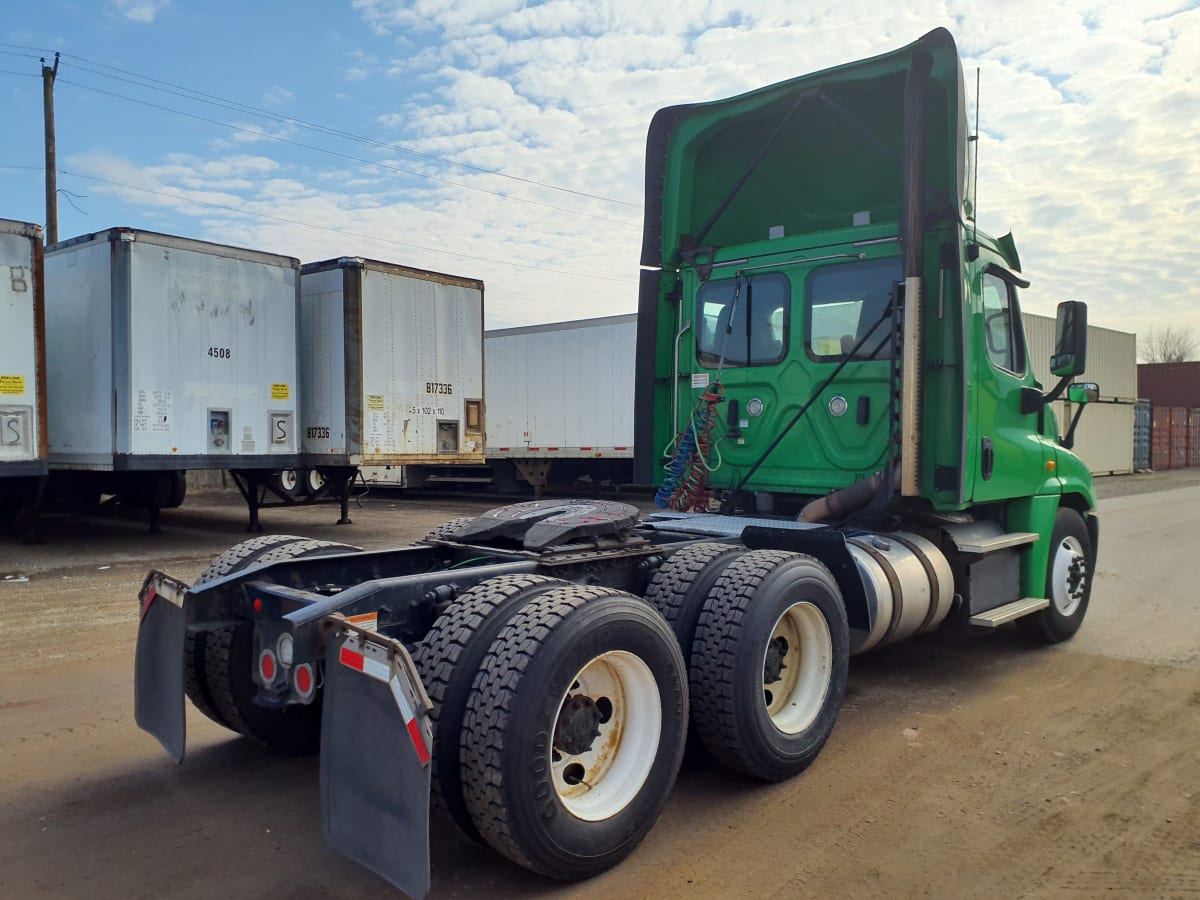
column 22, row 74
column 238, row 106
column 371, row 237
column 369, row 162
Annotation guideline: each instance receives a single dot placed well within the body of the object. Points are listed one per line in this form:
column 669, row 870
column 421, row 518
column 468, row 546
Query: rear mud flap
column 158, row 663
column 375, row 753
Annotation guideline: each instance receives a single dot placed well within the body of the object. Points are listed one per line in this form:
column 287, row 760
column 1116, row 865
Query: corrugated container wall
column 1143, row 424
column 1111, row 358
column 22, row 353
column 562, row 390
column 1179, row 437
column 1161, row 439
column 1170, row 384
column 1094, row 441
column 392, row 368
column 1194, row 437
column 170, row 353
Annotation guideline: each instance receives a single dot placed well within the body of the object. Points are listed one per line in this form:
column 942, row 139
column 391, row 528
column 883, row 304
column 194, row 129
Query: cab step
column 994, row 543
column 1001, row 615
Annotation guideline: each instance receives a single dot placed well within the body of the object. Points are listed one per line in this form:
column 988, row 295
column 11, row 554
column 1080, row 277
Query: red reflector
column 418, row 740
column 349, row 658
column 266, row 666
column 304, row 680
column 149, row 598
column 258, row 604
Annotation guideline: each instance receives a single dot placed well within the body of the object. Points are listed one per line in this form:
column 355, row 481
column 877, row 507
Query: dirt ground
column 960, row 767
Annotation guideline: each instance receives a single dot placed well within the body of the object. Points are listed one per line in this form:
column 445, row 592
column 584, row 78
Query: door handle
column 987, row 459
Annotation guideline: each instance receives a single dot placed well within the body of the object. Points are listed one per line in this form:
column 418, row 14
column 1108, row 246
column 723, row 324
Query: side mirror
column 1070, row 339
column 1083, row 392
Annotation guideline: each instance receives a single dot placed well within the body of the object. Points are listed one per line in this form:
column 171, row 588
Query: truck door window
column 844, row 301
column 759, row 318
column 1005, row 347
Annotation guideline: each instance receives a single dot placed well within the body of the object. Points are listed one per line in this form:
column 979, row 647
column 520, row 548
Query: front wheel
column 574, row 731
column 1069, row 571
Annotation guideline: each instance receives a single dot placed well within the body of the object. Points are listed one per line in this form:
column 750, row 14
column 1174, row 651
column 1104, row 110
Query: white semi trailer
column 166, row 354
column 22, row 367
column 391, row 368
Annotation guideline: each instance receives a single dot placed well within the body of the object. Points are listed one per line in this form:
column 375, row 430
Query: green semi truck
column 851, row 448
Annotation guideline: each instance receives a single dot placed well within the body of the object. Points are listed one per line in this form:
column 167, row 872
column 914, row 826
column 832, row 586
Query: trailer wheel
column 448, row 658
column 312, row 481
column 289, row 484
column 680, row 587
column 574, row 731
column 201, row 680
column 447, row 530
column 769, row 664
column 1069, row 572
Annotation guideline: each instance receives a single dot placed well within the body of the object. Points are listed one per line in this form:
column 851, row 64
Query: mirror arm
column 1068, row 439
column 1032, row 399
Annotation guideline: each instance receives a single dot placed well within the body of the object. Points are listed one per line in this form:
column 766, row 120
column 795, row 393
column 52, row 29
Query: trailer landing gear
column 256, row 485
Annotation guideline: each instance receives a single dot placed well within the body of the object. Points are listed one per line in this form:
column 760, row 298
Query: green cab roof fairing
column 834, row 144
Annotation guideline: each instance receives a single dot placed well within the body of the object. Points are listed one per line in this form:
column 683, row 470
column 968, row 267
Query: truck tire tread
column 680, row 586
column 447, row 530
column 448, row 658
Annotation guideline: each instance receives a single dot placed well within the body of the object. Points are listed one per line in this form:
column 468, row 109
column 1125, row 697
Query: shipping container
column 1111, row 358
column 1170, row 384
column 1194, row 437
column 1179, row 437
column 22, row 353
column 1143, row 425
column 1102, row 436
column 392, row 365
column 166, row 353
column 1160, row 439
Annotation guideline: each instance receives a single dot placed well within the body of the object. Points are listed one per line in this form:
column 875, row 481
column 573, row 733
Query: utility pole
column 48, row 75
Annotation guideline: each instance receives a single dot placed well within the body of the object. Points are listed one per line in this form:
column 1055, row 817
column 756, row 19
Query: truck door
column 1008, row 456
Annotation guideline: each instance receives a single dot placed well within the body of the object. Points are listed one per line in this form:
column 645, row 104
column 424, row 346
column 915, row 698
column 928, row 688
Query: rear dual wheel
column 573, row 724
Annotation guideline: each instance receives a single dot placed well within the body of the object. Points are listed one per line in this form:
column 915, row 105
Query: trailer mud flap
column 158, row 663
column 376, row 741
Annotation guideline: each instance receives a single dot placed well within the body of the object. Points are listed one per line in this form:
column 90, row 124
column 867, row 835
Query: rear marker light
column 266, row 666
column 258, row 604
column 303, row 680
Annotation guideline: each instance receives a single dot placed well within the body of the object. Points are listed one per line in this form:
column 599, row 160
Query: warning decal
column 280, row 391
column 12, row 384
column 375, row 402
column 369, row 621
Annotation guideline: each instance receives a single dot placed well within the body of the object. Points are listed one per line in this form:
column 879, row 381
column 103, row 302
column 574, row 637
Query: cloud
column 276, row 95
column 140, row 10
column 1088, row 117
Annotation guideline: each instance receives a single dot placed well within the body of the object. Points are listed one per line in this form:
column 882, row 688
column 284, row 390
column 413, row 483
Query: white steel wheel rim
column 1068, row 558
column 289, row 480
column 794, row 698
column 316, row 480
column 604, row 778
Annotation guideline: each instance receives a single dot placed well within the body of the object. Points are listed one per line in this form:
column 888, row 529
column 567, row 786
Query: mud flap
column 158, row 663
column 375, row 753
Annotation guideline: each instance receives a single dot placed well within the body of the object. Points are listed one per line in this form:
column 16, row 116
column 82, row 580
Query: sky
column 505, row 139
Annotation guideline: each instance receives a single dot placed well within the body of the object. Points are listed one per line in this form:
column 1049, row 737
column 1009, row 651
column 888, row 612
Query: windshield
column 743, row 319
column 844, row 302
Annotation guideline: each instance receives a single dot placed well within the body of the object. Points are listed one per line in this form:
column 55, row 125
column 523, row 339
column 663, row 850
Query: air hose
column 685, row 485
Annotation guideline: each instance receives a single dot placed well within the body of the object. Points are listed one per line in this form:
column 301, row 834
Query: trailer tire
column 202, row 678
column 447, row 530
column 448, row 659
column 1070, row 570
column 769, row 611
column 528, row 743
column 682, row 584
column 289, row 484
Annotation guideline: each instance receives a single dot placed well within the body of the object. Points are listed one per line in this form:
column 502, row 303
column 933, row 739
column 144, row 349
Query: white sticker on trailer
column 700, row 380
column 153, row 411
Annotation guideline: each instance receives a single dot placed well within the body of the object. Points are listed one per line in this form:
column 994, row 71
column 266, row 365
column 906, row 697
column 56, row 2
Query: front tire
column 769, row 664
column 1069, row 574
column 575, row 731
